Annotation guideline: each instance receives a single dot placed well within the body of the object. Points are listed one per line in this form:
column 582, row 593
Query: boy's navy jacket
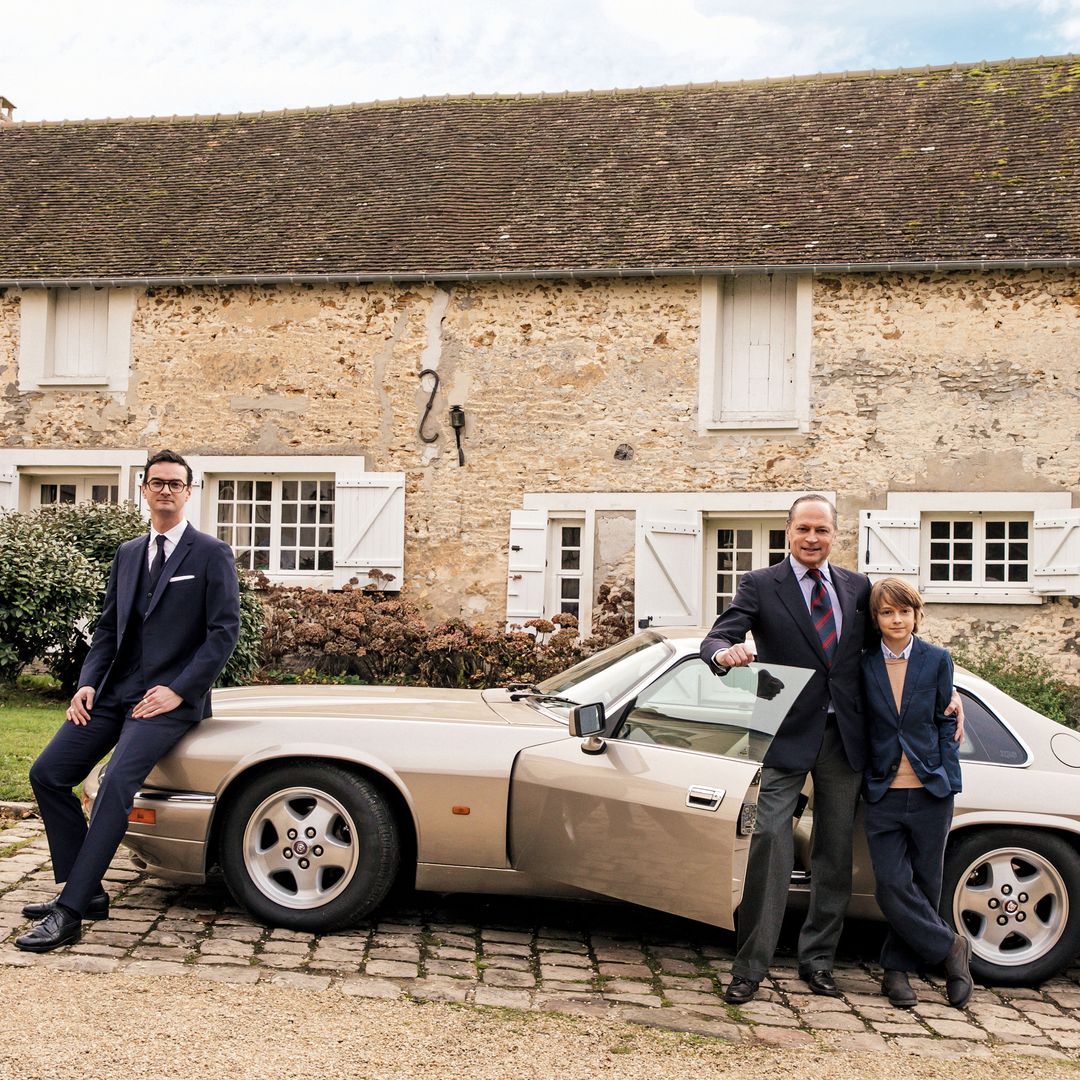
column 921, row 728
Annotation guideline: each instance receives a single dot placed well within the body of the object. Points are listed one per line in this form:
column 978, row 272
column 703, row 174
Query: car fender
column 1014, row 819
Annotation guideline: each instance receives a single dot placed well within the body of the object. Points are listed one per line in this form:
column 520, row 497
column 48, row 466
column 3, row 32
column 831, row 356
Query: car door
column 662, row 814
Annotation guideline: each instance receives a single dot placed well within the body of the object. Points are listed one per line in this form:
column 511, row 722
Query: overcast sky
column 68, row 59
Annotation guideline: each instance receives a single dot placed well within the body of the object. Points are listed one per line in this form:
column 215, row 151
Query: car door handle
column 704, row 798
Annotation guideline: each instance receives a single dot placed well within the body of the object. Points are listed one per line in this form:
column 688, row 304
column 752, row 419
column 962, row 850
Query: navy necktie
column 821, row 613
column 158, row 562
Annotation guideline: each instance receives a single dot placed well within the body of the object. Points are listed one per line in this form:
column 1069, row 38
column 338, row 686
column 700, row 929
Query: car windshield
column 609, row 674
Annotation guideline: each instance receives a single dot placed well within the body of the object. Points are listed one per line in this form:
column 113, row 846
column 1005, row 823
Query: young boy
column 911, row 778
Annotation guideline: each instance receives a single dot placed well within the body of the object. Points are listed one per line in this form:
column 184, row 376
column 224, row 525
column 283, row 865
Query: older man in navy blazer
column 169, row 624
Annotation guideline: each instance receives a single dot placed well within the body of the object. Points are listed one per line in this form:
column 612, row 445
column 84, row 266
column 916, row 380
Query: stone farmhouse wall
column 935, row 382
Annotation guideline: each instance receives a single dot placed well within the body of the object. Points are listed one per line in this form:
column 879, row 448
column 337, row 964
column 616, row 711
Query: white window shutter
column 1056, row 569
column 369, row 529
column 667, row 569
column 525, row 566
column 9, row 490
column 889, row 545
column 193, row 510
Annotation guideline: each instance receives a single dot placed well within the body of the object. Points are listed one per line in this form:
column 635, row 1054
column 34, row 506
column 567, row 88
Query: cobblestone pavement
column 599, row 960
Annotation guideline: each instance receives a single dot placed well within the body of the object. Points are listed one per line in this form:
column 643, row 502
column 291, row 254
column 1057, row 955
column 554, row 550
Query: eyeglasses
column 157, row 484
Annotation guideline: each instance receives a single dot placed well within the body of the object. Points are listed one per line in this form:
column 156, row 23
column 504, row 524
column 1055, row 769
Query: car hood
column 361, row 703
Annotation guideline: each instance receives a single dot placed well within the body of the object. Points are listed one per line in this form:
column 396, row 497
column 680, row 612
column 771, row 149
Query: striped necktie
column 822, row 615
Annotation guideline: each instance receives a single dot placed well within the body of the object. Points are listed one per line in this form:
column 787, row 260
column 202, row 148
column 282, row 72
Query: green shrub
column 1028, row 679
column 54, row 568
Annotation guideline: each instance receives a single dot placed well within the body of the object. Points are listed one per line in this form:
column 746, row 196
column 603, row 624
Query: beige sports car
column 632, row 775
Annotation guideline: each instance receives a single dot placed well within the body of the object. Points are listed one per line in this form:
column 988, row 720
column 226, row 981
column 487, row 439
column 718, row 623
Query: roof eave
column 413, row 277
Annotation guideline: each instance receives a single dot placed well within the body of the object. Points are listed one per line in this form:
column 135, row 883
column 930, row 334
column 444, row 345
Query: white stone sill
column 958, row 596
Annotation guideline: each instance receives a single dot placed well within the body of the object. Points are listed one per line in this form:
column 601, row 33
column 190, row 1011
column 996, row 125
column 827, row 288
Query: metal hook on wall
column 427, row 408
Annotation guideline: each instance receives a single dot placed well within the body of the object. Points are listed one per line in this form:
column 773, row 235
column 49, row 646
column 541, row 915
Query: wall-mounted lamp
column 457, row 422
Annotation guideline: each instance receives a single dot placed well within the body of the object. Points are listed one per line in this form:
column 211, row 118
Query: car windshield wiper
column 533, row 694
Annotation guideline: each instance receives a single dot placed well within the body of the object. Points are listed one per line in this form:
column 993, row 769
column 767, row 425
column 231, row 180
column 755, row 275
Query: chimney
column 6, row 109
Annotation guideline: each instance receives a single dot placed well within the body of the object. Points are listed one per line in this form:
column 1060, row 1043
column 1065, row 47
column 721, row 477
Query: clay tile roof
column 924, row 166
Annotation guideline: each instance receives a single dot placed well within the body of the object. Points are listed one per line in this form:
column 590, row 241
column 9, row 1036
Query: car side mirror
column 586, row 720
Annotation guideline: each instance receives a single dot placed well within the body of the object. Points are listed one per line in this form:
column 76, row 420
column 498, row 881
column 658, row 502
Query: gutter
column 450, row 276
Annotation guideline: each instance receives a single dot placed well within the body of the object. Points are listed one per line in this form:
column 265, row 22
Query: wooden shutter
column 1056, row 568
column 9, row 490
column 369, row 529
column 757, row 379
column 889, row 545
column 525, row 566
column 667, row 569
column 80, row 332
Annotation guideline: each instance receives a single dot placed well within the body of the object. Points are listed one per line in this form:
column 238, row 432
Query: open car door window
column 658, row 817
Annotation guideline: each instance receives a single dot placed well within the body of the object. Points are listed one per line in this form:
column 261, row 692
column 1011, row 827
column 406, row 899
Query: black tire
column 1030, row 879
column 320, row 814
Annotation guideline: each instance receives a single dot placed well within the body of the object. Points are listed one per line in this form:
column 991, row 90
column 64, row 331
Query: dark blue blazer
column 920, row 728
column 191, row 625
column 770, row 604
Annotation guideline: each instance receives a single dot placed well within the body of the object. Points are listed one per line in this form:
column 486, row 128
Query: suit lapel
column 127, row 582
column 790, row 595
column 915, row 662
column 881, row 677
column 171, row 566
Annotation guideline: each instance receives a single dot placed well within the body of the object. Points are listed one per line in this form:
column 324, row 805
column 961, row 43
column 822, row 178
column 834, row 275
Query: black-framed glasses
column 157, row 484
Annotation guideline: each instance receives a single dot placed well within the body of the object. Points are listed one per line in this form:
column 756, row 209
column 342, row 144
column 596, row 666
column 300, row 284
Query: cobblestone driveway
column 587, row 959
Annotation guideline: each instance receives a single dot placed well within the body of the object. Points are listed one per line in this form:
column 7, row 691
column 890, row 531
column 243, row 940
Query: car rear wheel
column 1016, row 894
column 309, row 846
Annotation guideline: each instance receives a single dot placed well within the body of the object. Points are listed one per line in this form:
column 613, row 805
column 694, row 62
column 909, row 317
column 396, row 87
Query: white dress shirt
column 172, row 538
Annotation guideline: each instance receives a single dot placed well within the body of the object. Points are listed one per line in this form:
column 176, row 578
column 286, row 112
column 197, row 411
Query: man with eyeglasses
column 168, row 626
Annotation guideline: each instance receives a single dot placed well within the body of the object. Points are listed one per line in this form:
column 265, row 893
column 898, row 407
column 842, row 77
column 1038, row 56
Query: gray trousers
column 772, row 855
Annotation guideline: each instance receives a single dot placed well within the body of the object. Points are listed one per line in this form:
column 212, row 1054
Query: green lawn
column 27, row 723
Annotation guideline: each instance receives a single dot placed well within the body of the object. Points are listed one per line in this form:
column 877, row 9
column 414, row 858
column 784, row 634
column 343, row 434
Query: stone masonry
column 932, row 382
column 605, row 961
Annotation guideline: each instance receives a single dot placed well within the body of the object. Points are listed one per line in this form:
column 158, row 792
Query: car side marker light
column 138, row 816
column 464, row 811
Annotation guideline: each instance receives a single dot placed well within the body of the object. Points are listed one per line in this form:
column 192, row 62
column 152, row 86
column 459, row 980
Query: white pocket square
column 182, row 577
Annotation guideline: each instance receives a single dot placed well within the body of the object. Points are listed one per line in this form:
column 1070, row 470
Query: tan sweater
column 905, row 774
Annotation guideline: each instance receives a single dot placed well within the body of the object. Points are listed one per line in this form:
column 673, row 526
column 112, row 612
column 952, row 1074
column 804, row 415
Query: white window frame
column 689, row 507
column 21, row 469
column 716, row 312
column 37, row 323
column 761, row 523
column 908, row 511
column 555, row 574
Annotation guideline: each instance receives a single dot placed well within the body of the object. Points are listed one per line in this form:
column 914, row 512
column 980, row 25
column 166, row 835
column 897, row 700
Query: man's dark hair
column 812, row 498
column 170, row 456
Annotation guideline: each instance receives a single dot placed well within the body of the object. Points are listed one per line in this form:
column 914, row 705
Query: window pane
column 571, row 536
column 307, row 537
column 243, row 535
column 995, row 551
column 939, row 551
column 288, row 560
column 262, row 514
column 225, row 533
column 571, row 559
column 48, row 494
column 307, row 513
column 725, row 538
column 1018, row 551
column 1018, row 530
column 244, row 489
column 67, row 494
column 288, row 512
column 262, row 490
column 571, row 588
column 743, row 560
column 224, row 511
column 725, row 560
column 995, row 571
column 744, row 538
column 570, row 608
column 243, row 558
column 995, row 530
column 262, row 559
column 962, row 572
column 288, row 538
column 939, row 530
column 309, row 490
column 307, row 560
column 962, row 551
column 243, row 512
column 326, row 560
column 326, row 490
column 226, row 489
column 939, row 572
column 963, row 530
column 326, row 538
column 262, row 537
column 1018, row 572
column 289, row 489
column 326, row 513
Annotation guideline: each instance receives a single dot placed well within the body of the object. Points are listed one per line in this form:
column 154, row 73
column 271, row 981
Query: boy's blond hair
column 899, row 594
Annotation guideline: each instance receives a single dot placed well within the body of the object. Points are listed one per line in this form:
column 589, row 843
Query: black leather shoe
column 740, row 991
column 958, row 983
column 98, row 908
column 821, row 982
column 898, row 990
column 60, row 927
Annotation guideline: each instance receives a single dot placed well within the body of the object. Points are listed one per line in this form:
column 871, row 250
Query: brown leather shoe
column 739, row 991
column 895, row 986
column 958, row 982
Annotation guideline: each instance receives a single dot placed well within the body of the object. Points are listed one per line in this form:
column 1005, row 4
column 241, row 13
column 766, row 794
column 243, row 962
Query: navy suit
column 906, row 828
column 180, row 635
column 828, row 743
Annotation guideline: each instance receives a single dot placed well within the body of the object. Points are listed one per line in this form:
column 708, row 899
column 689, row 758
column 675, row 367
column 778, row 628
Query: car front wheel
column 309, row 846
column 1016, row 894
